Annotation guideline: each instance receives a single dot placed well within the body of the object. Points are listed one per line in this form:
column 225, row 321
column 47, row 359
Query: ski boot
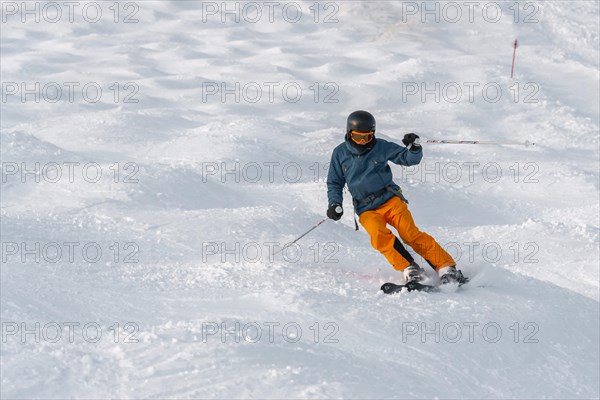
column 451, row 275
column 413, row 273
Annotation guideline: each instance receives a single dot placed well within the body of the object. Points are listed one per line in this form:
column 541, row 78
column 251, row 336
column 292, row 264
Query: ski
column 391, row 288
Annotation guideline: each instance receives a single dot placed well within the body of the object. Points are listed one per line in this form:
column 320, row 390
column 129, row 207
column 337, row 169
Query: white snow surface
column 200, row 307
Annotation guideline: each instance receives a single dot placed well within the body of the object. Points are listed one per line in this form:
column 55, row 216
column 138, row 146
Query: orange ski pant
column 396, row 213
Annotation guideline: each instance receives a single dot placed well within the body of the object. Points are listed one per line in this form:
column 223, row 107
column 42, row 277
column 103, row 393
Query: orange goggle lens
column 361, row 137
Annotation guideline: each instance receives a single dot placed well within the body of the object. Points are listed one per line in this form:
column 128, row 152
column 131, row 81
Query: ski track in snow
column 533, row 307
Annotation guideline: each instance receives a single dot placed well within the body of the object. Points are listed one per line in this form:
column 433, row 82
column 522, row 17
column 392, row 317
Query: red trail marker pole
column 512, row 69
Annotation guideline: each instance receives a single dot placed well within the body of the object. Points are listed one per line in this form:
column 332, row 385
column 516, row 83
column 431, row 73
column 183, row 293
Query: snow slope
column 196, row 190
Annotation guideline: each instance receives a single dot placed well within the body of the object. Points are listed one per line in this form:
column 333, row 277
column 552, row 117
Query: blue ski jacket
column 367, row 173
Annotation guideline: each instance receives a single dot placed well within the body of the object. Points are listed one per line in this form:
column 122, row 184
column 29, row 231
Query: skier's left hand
column 411, row 141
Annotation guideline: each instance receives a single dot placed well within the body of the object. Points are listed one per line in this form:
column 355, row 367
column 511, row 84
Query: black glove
column 411, row 141
column 335, row 211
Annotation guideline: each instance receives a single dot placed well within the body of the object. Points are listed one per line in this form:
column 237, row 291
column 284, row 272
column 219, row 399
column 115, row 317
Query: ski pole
column 304, row 234
column 512, row 69
column 338, row 210
column 527, row 143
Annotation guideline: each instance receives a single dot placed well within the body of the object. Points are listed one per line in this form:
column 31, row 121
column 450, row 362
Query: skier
column 361, row 162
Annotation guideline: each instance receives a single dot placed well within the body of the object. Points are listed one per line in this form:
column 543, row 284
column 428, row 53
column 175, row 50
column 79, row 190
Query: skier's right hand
column 335, row 211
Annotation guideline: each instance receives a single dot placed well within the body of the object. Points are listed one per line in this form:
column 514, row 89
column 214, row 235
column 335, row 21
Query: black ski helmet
column 361, row 121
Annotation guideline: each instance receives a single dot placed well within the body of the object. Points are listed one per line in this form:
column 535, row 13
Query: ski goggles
column 361, row 137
